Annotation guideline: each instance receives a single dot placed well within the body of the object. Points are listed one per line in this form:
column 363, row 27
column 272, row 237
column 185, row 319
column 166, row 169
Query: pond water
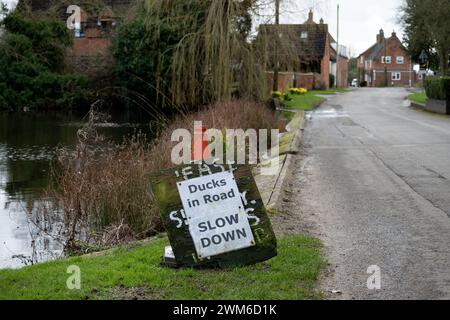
column 28, row 142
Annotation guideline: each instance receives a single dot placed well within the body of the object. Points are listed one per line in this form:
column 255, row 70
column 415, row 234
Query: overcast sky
column 361, row 20
column 9, row 2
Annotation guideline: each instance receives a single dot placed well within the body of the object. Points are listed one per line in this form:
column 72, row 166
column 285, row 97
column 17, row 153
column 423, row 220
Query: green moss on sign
column 172, row 213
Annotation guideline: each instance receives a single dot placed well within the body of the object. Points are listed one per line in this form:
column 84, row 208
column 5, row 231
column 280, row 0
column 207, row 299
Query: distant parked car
column 354, row 83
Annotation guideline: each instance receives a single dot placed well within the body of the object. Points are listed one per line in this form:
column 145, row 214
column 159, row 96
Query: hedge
column 438, row 88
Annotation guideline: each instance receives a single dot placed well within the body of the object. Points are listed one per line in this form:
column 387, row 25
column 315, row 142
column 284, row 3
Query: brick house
column 386, row 63
column 92, row 37
column 307, row 54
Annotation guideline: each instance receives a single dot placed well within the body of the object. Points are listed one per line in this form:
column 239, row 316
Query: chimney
column 321, row 20
column 394, row 35
column 310, row 17
column 380, row 36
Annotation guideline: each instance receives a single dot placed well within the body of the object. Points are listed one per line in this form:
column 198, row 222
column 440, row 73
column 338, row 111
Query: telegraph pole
column 277, row 37
column 337, row 49
column 411, row 70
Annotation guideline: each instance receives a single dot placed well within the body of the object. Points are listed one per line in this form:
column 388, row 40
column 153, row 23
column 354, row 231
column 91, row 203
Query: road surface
column 374, row 184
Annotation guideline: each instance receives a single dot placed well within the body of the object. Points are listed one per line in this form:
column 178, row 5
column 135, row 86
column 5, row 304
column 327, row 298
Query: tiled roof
column 42, row 5
column 373, row 51
column 376, row 51
column 311, row 47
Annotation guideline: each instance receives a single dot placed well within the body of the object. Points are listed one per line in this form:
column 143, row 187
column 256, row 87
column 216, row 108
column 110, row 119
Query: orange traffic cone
column 200, row 144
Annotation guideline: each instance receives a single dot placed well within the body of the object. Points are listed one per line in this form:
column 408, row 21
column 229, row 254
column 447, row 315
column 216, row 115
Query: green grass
column 310, row 100
column 420, row 98
column 304, row 102
column 135, row 270
column 287, row 115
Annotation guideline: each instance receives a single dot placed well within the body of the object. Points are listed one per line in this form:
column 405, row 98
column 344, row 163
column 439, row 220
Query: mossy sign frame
column 176, row 222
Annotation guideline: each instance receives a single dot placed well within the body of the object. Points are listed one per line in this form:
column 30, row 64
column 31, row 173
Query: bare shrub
column 101, row 192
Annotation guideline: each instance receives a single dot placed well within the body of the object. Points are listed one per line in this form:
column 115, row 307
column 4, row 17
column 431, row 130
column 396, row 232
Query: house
column 386, row 63
column 92, row 36
column 341, row 80
column 307, row 55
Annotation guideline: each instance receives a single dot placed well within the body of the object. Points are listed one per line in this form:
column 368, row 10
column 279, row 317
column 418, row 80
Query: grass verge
column 134, row 272
column 419, row 97
column 304, row 102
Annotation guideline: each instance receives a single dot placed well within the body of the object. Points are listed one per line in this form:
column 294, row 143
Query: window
column 396, row 76
column 77, row 30
column 400, row 60
column 304, row 35
column 362, row 59
column 386, row 59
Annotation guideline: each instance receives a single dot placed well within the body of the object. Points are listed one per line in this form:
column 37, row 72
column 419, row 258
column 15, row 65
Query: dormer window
column 304, row 35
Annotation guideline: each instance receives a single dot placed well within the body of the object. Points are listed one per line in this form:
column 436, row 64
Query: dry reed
column 101, row 192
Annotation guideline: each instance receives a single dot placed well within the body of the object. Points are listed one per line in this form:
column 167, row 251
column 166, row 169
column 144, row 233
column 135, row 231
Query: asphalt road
column 374, row 185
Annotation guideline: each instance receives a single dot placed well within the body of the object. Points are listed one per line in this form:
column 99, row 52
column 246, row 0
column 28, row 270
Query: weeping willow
column 213, row 59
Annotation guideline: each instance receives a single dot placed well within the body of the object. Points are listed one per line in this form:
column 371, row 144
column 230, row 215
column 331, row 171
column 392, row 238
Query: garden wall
column 438, row 106
column 288, row 80
column 438, row 93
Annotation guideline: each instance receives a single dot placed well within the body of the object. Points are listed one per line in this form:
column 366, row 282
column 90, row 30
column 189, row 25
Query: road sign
column 423, row 58
column 217, row 219
column 214, row 215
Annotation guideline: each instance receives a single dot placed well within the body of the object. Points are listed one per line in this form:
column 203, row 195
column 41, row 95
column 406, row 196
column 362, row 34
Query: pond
column 28, row 143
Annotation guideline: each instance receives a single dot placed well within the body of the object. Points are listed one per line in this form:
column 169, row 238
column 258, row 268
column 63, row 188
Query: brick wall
column 285, row 81
column 343, row 73
column 305, row 80
column 393, row 49
column 89, row 46
column 405, row 77
column 309, row 81
column 92, row 57
column 324, row 81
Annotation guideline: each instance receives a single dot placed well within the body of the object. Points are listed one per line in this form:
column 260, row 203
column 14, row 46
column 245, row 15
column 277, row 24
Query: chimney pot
column 380, row 37
column 310, row 17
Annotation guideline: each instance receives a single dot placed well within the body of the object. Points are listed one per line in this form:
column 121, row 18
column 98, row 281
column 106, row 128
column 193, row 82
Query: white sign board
column 216, row 215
